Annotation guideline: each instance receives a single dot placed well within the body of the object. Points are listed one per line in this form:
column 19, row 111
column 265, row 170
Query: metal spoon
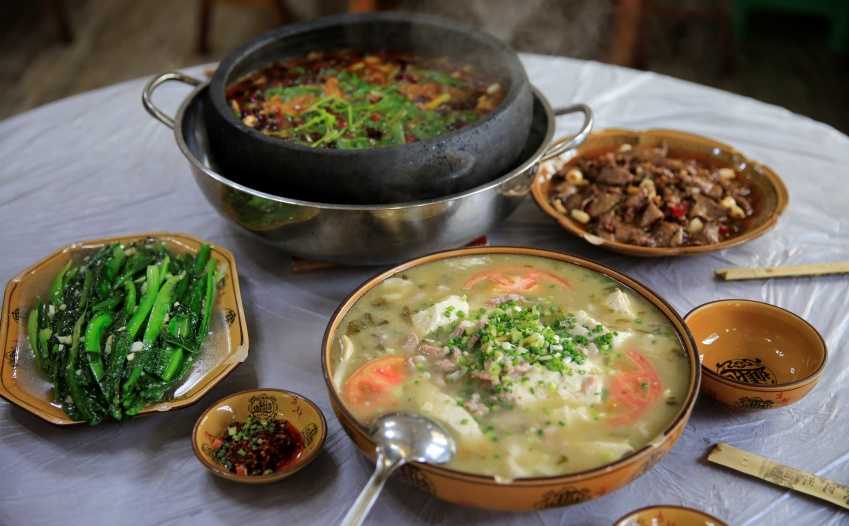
column 401, row 438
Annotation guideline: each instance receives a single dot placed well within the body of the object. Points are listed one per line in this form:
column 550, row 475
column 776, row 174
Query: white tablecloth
column 96, row 165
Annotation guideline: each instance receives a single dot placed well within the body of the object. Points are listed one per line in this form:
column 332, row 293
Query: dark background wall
column 783, row 58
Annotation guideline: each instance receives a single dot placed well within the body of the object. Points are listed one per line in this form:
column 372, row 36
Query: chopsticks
column 779, row 474
column 814, row 269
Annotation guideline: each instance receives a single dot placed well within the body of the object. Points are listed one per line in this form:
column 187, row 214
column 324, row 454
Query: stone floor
column 784, row 60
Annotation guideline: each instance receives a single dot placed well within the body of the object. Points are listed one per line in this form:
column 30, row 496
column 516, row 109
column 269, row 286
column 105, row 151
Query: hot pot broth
column 349, row 99
column 537, row 367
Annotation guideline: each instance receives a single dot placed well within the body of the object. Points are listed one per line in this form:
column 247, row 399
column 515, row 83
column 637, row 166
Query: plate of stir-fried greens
column 114, row 328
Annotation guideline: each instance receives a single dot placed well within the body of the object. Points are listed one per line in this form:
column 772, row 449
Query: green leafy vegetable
column 84, row 337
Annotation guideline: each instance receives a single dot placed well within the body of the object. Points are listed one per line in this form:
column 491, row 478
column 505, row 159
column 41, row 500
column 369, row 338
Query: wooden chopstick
column 814, row 269
column 779, row 474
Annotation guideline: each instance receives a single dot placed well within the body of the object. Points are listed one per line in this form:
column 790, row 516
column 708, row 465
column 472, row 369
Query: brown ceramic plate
column 668, row 516
column 528, row 493
column 22, row 385
column 767, row 186
column 266, row 404
column 756, row 355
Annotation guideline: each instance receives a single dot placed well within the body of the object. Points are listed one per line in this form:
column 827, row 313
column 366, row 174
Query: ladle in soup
column 400, row 438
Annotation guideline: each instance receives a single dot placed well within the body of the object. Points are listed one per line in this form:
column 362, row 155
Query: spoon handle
column 383, row 468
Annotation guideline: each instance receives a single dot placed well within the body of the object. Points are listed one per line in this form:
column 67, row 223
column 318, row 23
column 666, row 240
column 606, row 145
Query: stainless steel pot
column 361, row 234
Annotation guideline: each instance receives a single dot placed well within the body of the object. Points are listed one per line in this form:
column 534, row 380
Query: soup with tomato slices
column 536, row 366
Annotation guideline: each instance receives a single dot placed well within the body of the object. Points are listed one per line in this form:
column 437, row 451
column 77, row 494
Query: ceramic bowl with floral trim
column 756, row 355
column 300, row 418
column 668, row 516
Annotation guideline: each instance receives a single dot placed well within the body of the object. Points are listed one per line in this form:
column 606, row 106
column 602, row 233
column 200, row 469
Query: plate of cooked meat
column 661, row 193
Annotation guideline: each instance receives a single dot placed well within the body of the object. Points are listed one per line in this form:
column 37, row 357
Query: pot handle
column 565, row 144
column 155, row 82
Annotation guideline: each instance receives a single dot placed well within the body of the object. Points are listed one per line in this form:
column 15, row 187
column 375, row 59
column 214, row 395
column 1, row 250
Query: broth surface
column 537, row 367
column 348, row 99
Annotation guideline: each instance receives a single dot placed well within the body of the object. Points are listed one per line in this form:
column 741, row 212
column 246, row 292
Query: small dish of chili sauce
column 257, row 447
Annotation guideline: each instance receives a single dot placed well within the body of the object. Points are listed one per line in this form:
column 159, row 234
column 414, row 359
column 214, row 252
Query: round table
column 96, row 165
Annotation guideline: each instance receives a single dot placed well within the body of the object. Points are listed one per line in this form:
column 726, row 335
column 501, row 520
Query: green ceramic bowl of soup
column 560, row 379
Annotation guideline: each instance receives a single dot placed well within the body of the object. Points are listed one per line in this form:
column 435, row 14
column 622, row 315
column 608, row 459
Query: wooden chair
column 279, row 7
column 59, row 13
column 629, row 34
column 836, row 12
column 363, row 6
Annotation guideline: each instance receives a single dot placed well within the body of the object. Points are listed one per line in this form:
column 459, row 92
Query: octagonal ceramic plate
column 23, row 385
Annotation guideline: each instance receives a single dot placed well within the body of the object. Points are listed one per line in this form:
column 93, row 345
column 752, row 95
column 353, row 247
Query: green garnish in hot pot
column 350, row 100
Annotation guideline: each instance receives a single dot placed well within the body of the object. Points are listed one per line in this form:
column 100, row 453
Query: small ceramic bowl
column 23, row 385
column 756, row 355
column 768, row 189
column 668, row 516
column 301, row 412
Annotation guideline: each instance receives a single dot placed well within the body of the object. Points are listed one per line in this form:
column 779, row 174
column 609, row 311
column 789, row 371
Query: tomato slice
column 495, row 277
column 544, row 275
column 516, row 279
column 371, row 389
column 641, row 362
column 633, row 391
